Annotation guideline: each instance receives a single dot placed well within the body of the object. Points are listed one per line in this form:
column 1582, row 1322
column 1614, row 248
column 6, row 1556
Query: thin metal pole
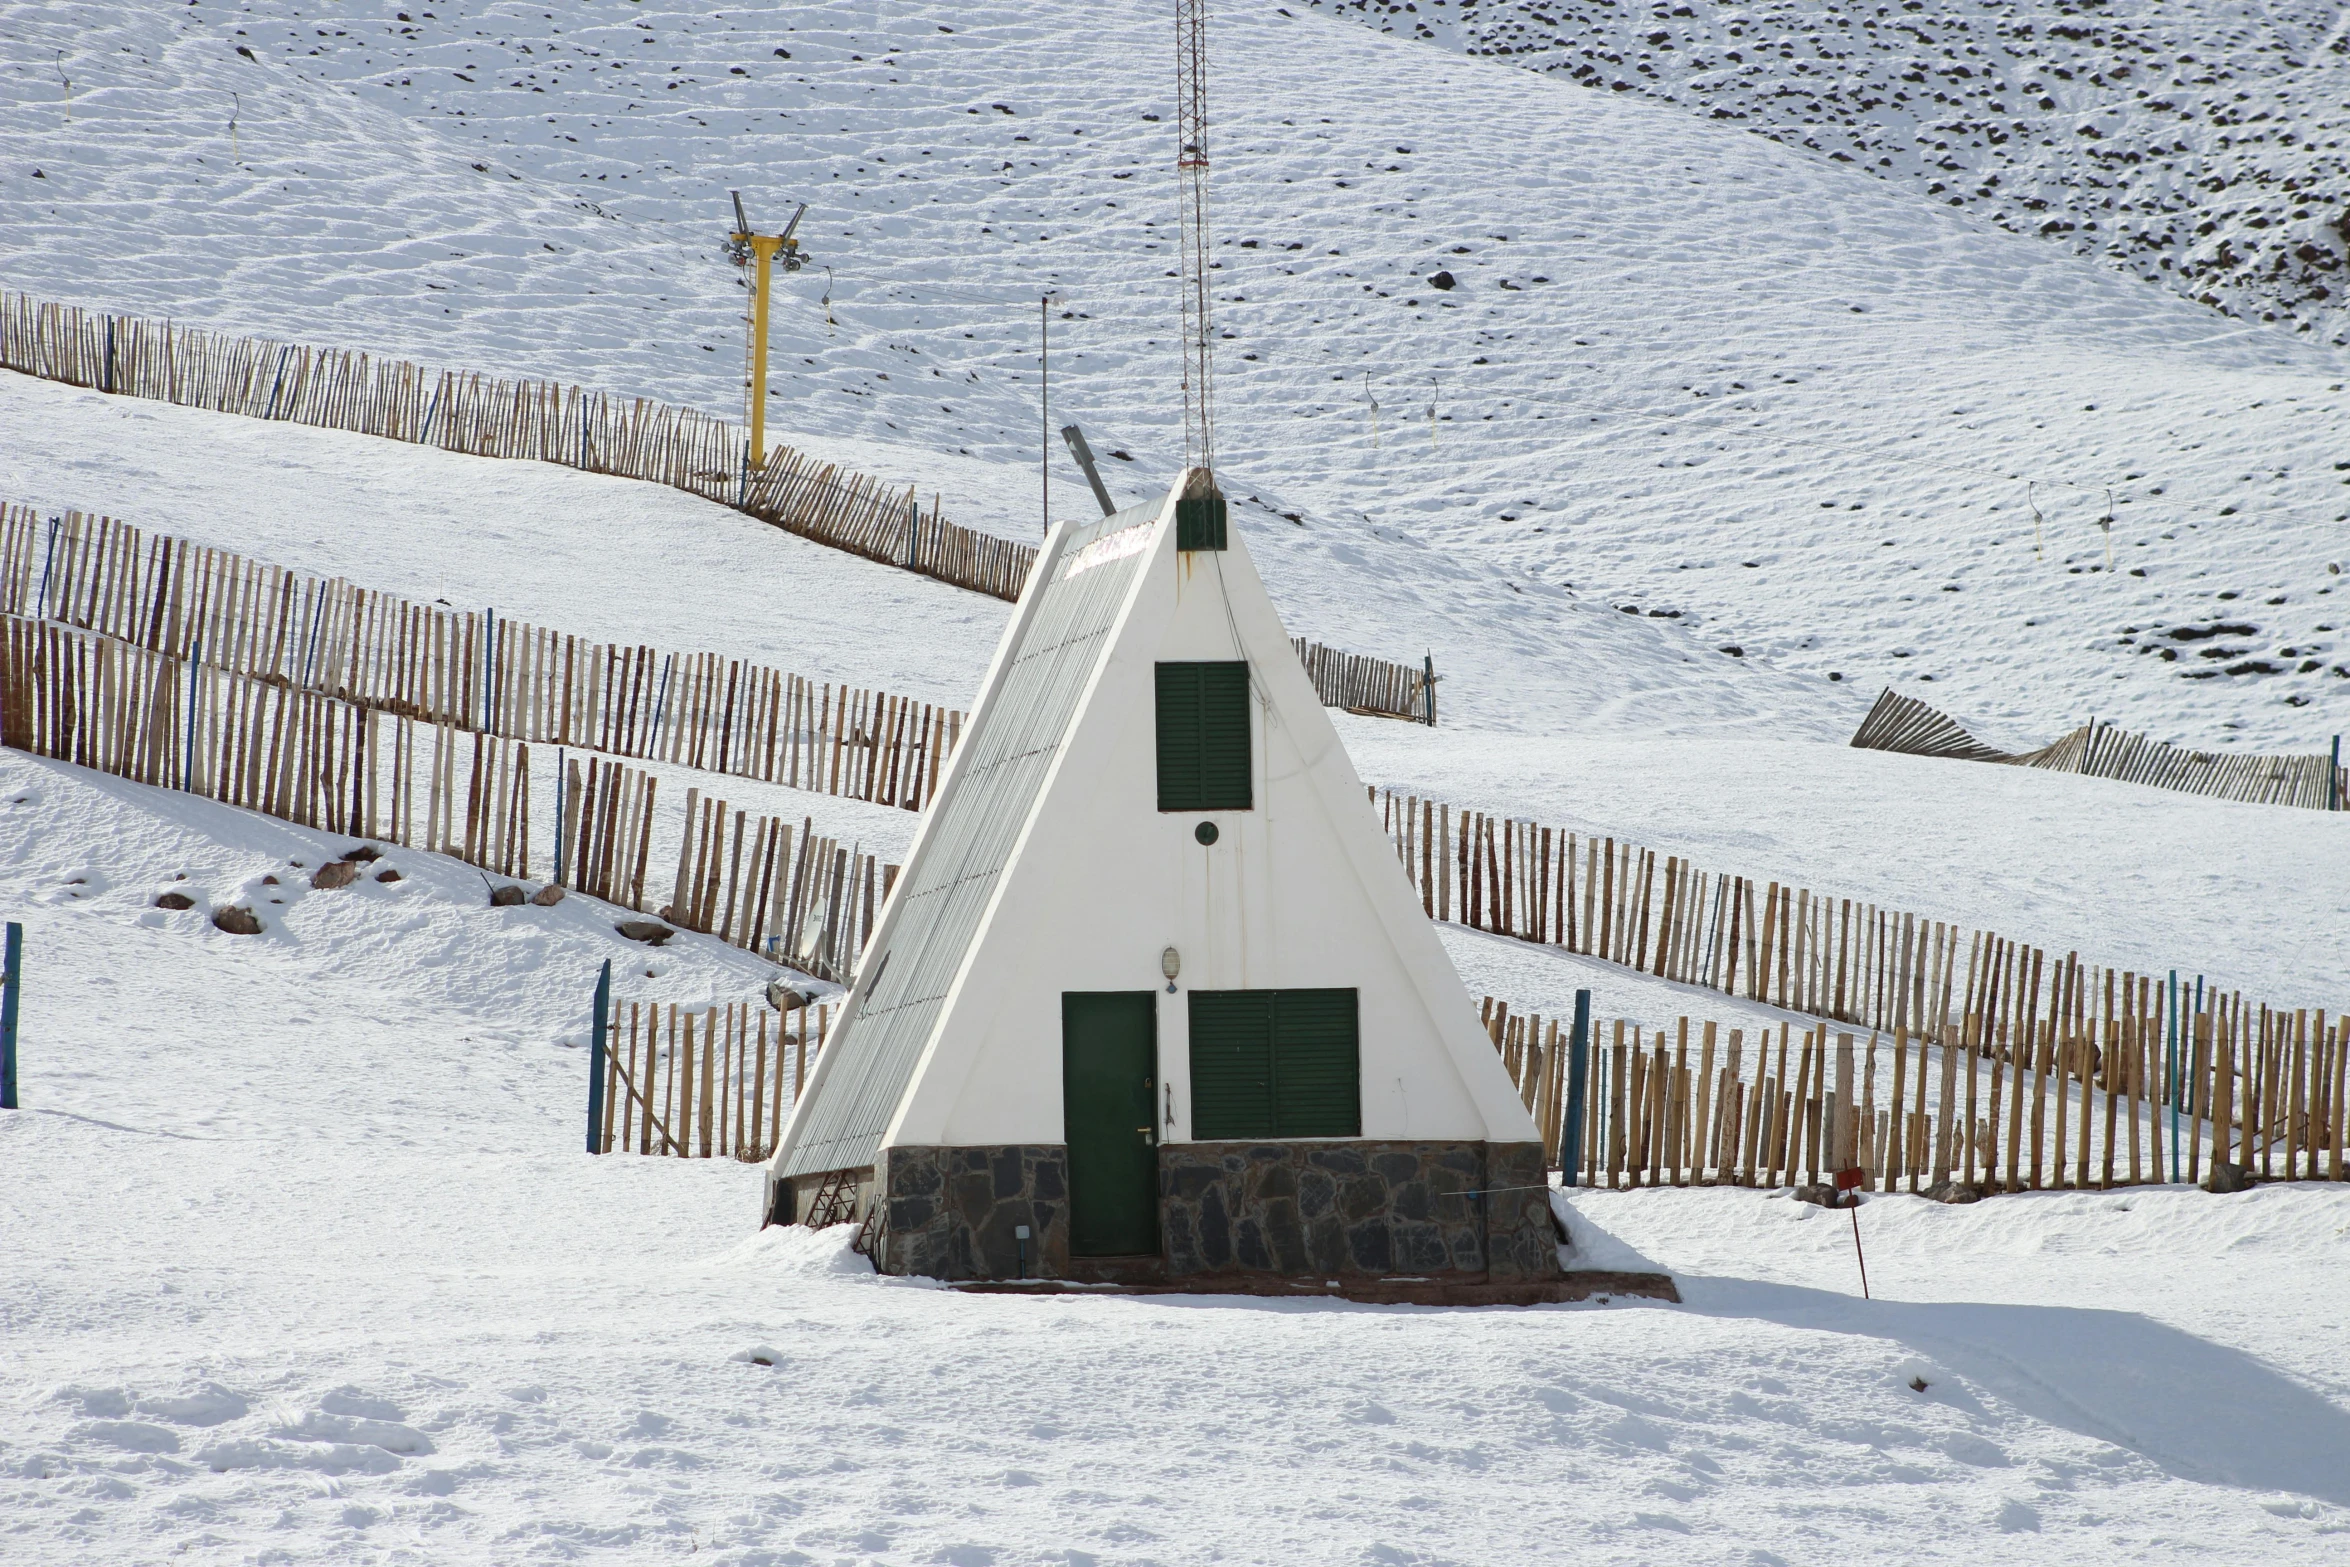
column 595, row 1119
column 1044, row 396
column 1857, row 1255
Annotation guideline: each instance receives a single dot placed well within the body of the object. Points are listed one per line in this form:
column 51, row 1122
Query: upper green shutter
column 1203, row 731
column 1275, row 1063
column 1200, row 523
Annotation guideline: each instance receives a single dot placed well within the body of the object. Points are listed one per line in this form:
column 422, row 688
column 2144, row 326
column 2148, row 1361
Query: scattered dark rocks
column 269, row 881
column 365, row 854
column 1953, row 1192
column 787, row 997
column 388, row 873
column 2226, row 1177
column 236, row 921
column 1442, row 280
column 548, row 896
column 333, row 874
column 651, row 932
column 1820, row 1193
column 175, row 900
column 508, row 897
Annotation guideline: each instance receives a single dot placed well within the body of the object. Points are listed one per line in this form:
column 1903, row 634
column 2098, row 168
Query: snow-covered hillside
column 2198, row 143
column 1768, row 405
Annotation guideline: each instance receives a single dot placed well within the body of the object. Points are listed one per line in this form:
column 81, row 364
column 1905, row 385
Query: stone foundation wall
column 1357, row 1207
column 1290, row 1209
column 955, row 1213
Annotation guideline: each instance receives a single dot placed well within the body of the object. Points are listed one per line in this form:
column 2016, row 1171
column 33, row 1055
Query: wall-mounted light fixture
column 1170, row 964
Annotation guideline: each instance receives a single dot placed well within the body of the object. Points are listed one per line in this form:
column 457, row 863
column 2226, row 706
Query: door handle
column 1146, row 1134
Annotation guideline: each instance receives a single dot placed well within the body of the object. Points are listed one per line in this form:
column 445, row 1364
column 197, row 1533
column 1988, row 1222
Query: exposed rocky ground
column 2199, row 143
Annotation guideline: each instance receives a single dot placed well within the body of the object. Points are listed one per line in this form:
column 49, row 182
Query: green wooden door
column 1109, row 1087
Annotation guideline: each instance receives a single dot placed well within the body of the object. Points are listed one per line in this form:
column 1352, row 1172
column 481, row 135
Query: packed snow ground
column 309, row 1267
column 1783, row 407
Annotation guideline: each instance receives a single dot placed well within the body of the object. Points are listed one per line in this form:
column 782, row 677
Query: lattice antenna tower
column 1191, row 171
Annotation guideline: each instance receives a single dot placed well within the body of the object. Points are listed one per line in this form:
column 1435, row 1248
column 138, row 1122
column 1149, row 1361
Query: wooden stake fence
column 477, row 670
column 466, row 412
column 705, row 1082
column 474, row 670
column 2313, row 781
column 2107, row 1084
column 342, row 767
column 1363, row 684
column 1851, row 962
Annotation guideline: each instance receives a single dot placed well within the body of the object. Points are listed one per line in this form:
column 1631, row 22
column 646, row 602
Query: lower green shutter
column 1317, row 1071
column 1231, row 1064
column 1275, row 1064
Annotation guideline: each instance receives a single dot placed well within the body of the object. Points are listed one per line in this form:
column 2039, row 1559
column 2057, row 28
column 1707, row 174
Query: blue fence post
column 2173, row 1095
column 1571, row 1149
column 47, row 560
column 595, row 1126
column 11, row 979
column 660, row 702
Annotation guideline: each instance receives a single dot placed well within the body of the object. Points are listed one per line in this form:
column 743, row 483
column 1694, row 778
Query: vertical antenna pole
column 1191, row 171
column 1044, row 396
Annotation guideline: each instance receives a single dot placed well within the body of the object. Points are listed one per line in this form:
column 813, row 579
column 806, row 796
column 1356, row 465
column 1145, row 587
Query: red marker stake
column 1848, row 1183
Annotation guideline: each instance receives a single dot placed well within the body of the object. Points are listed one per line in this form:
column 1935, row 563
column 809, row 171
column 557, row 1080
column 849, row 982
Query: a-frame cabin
column 1151, row 999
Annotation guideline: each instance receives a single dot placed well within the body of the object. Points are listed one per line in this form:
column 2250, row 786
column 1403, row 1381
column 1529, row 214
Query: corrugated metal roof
column 980, row 817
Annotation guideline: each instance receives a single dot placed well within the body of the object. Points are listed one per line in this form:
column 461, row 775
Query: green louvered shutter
column 1203, row 731
column 1275, row 1063
column 1200, row 523
column 1231, row 1065
column 1317, row 1072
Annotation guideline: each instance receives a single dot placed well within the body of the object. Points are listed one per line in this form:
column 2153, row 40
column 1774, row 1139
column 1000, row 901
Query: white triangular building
column 1151, row 998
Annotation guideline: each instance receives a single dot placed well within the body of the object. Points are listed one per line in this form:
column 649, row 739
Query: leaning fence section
column 2117, row 1080
column 705, row 1082
column 1363, row 684
column 459, row 411
column 473, row 669
column 343, row 767
column 2316, row 781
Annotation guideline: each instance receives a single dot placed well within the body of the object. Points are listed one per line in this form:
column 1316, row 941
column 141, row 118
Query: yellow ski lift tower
column 745, row 248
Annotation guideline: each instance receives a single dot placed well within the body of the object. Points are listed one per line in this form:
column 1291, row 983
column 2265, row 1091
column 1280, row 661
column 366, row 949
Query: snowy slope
column 312, row 1269
column 2197, row 143
column 1672, row 349
column 304, row 1261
